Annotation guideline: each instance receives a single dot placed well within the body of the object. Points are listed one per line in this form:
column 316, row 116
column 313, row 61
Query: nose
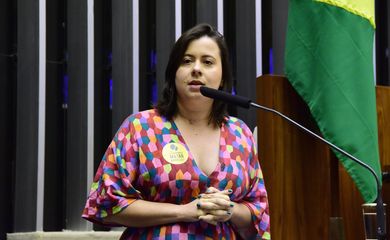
column 196, row 70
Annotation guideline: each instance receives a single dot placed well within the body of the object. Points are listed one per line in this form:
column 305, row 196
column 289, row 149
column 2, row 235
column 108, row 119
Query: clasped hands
column 214, row 206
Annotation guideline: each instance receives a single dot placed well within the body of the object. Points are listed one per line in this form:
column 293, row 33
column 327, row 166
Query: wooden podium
column 311, row 196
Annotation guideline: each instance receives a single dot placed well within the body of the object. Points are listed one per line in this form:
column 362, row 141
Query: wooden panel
column 296, row 166
column 383, row 108
column 350, row 198
column 307, row 186
column 350, row 205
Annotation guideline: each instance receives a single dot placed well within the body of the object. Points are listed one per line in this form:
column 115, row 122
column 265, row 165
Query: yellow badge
column 175, row 153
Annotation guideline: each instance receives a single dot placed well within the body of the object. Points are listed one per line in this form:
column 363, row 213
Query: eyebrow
column 203, row 56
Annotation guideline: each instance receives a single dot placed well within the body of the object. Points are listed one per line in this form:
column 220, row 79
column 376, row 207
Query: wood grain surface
column 311, row 196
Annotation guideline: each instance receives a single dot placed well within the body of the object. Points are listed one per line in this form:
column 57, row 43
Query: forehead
column 203, row 46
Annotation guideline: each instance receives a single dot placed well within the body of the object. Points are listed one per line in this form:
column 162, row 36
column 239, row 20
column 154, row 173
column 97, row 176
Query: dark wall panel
column 27, row 117
column 7, row 110
column 382, row 9
column 103, row 54
column 165, row 35
column 279, row 26
column 207, row 12
column 54, row 193
column 188, row 14
column 76, row 155
column 245, row 68
column 122, row 61
column 266, row 33
column 147, row 54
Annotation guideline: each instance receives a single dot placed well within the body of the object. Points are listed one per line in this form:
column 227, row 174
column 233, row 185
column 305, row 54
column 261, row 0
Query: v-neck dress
column 133, row 167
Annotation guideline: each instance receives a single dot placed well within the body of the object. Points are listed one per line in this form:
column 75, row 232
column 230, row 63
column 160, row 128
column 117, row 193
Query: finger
column 227, row 191
column 200, row 211
column 209, row 219
column 222, row 216
column 212, row 190
column 220, row 213
column 214, row 204
column 214, row 196
column 215, row 190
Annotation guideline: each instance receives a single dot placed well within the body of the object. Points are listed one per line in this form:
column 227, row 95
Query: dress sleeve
column 256, row 199
column 112, row 189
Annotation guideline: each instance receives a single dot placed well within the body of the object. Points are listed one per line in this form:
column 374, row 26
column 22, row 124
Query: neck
column 195, row 117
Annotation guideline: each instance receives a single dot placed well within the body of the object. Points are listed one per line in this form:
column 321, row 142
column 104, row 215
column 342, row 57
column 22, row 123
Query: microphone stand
column 381, row 231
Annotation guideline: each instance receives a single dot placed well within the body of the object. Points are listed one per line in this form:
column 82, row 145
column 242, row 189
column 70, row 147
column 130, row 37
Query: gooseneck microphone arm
column 246, row 103
column 317, row 136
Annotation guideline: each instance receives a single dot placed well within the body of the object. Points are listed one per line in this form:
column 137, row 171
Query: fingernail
column 230, row 191
column 199, row 196
column 229, row 213
column 231, row 205
column 208, row 191
column 198, row 205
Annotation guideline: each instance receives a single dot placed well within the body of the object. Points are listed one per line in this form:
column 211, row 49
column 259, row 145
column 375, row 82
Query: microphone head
column 226, row 97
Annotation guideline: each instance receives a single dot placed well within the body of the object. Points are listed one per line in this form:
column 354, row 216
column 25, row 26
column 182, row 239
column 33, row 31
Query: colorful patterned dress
column 133, row 167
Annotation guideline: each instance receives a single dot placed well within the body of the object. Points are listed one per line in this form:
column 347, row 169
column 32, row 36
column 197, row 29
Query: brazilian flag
column 329, row 61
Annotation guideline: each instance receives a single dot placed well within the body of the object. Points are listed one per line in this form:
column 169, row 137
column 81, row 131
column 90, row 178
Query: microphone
column 246, row 103
column 224, row 96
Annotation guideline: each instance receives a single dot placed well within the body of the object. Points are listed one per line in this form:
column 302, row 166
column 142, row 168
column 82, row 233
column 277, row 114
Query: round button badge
column 175, row 153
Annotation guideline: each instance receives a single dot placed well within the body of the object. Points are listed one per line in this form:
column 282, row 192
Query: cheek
column 179, row 78
column 218, row 71
column 179, row 75
column 217, row 75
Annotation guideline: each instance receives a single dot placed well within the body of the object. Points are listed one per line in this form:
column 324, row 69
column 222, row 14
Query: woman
column 184, row 170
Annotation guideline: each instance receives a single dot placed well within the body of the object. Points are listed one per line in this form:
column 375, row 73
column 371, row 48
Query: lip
column 194, row 88
column 196, row 83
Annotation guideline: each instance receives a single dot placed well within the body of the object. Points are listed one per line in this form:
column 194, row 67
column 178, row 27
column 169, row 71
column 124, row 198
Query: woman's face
column 201, row 66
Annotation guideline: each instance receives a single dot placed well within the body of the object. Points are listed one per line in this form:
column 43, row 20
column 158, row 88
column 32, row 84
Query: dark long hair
column 167, row 105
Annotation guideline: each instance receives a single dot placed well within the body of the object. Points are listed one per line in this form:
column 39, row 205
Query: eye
column 208, row 62
column 186, row 60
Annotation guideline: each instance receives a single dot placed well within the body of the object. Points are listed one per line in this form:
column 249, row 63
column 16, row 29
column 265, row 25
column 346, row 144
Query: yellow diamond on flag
column 363, row 8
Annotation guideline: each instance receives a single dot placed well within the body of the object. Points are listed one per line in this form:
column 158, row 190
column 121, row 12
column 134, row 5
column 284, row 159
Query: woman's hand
column 215, row 206
column 190, row 212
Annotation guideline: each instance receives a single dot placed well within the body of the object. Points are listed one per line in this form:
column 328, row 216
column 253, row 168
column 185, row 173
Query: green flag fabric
column 329, row 61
